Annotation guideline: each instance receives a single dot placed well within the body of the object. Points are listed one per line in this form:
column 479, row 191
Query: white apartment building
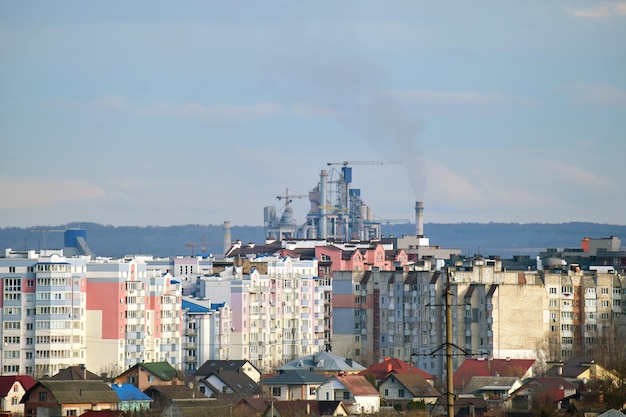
column 43, row 312
column 278, row 316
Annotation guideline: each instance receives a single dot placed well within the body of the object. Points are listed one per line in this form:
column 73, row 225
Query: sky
column 169, row 113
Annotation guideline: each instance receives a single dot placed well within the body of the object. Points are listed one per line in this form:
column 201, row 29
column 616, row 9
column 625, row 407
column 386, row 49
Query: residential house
column 298, row 384
column 103, row 413
column 12, row 388
column 464, row 406
column 324, row 363
column 401, row 388
column 494, row 389
column 471, row 367
column 356, row 391
column 537, row 393
column 251, row 407
column 191, row 407
column 228, row 384
column 147, row 374
column 244, row 365
column 386, row 367
column 131, row 398
column 68, row 398
column 75, row 373
column 162, row 395
column 300, row 408
column 581, row 368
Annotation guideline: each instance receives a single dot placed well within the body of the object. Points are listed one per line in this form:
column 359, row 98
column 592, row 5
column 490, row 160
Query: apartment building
column 206, row 332
column 43, row 310
column 134, row 314
column 546, row 314
column 276, row 316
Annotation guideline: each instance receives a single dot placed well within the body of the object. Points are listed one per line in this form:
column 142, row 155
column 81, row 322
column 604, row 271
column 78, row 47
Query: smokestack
column 227, row 237
column 419, row 218
column 323, row 201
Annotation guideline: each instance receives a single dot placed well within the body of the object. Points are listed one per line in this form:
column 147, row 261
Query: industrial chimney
column 419, row 218
column 227, row 237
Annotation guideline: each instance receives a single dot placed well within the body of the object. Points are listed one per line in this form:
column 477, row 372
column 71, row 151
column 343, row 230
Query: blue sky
column 162, row 113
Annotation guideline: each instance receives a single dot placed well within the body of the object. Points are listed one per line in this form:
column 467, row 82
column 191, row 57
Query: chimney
column 419, row 218
column 227, row 236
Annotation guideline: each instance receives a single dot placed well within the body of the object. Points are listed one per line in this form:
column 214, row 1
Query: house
column 300, row 408
column 324, row 363
column 131, row 398
column 191, row 407
column 228, row 384
column 494, row 389
column 520, row 368
column 103, row 413
column 387, row 366
column 75, row 373
column 147, row 374
column 12, row 388
column 68, row 398
column 401, row 388
column 162, row 395
column 356, row 391
column 580, row 367
column 535, row 393
column 464, row 406
column 211, row 366
column 299, row 384
column 251, row 407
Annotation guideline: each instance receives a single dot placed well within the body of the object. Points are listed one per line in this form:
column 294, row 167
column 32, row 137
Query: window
column 346, row 395
column 401, row 393
column 150, row 378
column 43, row 396
column 276, row 391
column 70, row 412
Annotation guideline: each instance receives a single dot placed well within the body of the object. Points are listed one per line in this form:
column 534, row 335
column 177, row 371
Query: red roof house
column 521, row 368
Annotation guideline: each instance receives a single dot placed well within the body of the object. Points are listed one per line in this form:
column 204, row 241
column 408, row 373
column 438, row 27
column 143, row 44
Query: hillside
column 504, row 239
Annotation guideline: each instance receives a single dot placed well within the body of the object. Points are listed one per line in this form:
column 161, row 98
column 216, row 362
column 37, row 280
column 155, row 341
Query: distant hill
column 504, row 239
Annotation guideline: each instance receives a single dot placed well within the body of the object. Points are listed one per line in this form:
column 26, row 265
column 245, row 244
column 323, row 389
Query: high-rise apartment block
column 277, row 316
column 107, row 314
column 549, row 314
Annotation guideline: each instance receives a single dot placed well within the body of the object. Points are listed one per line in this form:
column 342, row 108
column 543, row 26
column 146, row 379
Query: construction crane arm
column 346, row 163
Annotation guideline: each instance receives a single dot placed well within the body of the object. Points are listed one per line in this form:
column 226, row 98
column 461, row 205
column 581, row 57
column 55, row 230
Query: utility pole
column 449, row 376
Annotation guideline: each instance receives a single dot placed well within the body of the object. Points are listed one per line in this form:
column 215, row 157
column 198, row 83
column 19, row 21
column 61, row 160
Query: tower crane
column 289, row 197
column 346, row 163
column 43, row 235
column 203, row 245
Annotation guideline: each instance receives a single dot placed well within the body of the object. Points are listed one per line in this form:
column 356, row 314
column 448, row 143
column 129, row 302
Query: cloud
column 602, row 94
column 612, row 9
column 45, row 192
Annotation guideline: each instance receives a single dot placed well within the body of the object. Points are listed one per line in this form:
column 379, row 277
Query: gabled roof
column 171, row 392
column 311, row 407
column 192, row 407
column 358, row 385
column 7, row 381
column 238, row 382
column 211, row 366
column 74, row 373
column 490, row 367
column 162, row 370
column 77, row 392
column 490, row 383
column 296, row 377
column 103, row 413
column 550, row 389
column 129, row 392
column 571, row 368
column 382, row 369
column 323, row 362
column 415, row 384
column 259, row 405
